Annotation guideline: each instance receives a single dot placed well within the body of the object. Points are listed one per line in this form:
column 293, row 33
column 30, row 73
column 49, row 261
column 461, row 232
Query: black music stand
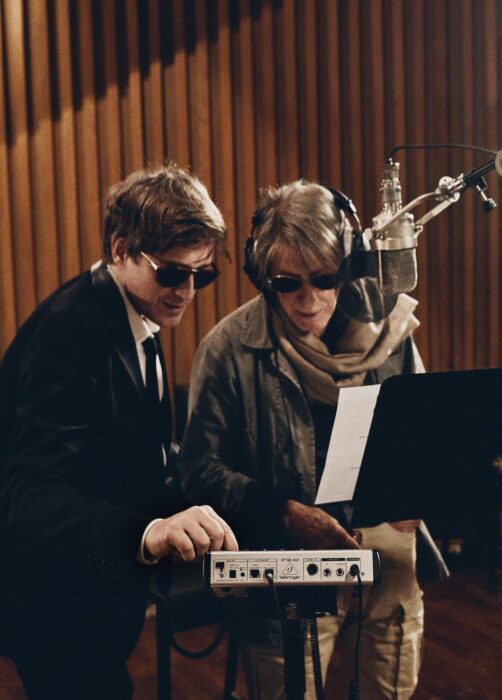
column 433, row 447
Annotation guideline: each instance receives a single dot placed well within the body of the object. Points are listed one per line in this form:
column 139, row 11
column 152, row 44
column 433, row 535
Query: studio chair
column 186, row 604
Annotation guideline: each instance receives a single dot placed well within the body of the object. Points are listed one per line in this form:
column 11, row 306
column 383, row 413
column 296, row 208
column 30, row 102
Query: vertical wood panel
column 109, row 119
column 290, row 95
column 223, row 148
column 151, row 66
column 251, row 93
column 413, row 177
column 375, row 93
column 351, row 126
column 131, row 93
column 462, row 253
column 176, row 108
column 43, row 185
column 88, row 182
column 487, row 71
column 437, row 234
column 244, row 141
column 308, row 92
column 201, row 315
column 265, row 125
column 331, row 85
column 481, row 247
column 65, row 148
column 7, row 277
column 176, row 83
column 19, row 159
column 393, row 69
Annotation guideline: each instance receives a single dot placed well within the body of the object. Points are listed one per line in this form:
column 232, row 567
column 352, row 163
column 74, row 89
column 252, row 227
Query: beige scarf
column 362, row 347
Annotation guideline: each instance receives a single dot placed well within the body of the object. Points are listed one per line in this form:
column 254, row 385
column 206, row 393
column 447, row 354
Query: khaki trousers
column 392, row 631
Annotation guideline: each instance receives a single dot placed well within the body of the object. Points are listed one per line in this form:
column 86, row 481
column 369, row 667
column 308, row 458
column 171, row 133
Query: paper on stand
column 347, row 443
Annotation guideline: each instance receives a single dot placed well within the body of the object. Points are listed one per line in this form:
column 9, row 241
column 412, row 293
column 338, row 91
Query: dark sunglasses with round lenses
column 284, row 284
column 173, row 275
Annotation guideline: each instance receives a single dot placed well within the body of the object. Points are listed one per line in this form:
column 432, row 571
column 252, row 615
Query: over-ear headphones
column 350, row 237
column 250, row 267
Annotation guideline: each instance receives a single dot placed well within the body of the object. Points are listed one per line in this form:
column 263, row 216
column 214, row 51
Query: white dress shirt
column 142, row 328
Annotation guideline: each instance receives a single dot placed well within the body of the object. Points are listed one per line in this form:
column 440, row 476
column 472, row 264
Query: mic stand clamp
column 489, row 203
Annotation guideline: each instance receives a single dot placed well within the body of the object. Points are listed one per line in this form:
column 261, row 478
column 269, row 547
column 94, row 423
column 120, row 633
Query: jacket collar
column 141, row 327
column 118, row 322
column 256, row 334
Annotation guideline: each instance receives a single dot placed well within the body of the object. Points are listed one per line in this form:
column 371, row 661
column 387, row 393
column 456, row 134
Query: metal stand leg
column 231, row 669
column 294, row 654
column 163, row 630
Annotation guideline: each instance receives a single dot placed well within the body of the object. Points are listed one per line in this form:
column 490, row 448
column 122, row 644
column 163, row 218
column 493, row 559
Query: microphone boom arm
column 448, row 192
column 373, row 232
column 393, row 237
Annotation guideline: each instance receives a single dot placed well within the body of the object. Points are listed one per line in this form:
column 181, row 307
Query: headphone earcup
column 250, row 267
column 350, row 239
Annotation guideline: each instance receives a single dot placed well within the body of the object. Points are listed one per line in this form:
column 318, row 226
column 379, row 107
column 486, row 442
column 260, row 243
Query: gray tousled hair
column 301, row 216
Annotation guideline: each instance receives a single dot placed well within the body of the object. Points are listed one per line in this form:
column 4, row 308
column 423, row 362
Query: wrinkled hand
column 313, row 528
column 191, row 534
column 405, row 525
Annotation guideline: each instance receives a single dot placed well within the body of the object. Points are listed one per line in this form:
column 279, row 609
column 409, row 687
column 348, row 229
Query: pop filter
column 362, row 300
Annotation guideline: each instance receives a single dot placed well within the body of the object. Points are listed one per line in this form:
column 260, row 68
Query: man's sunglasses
column 286, row 285
column 172, row 275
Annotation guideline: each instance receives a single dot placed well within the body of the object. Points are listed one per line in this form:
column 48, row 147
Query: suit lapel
column 118, row 323
column 125, row 347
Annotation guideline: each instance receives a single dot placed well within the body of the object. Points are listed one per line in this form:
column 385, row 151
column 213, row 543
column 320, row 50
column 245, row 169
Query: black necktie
column 161, row 409
column 151, row 383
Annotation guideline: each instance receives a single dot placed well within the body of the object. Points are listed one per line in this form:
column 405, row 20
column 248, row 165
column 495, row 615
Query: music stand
column 432, row 446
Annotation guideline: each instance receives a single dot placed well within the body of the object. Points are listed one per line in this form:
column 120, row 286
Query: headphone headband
column 340, row 200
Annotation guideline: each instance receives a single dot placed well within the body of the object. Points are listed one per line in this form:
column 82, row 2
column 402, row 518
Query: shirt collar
column 141, row 326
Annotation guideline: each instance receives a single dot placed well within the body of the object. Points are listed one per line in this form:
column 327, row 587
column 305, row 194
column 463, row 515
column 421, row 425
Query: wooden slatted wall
column 250, row 93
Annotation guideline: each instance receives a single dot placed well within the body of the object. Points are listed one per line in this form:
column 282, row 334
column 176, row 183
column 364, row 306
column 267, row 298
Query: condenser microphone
column 396, row 244
column 393, row 236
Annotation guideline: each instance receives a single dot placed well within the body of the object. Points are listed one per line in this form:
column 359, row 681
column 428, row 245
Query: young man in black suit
column 87, row 507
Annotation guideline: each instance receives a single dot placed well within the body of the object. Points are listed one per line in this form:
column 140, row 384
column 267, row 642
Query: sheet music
column 347, row 443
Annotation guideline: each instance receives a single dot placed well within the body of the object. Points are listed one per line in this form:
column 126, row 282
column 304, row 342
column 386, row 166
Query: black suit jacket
column 80, row 462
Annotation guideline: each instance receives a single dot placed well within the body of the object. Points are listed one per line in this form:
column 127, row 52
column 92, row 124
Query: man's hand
column 313, row 528
column 191, row 534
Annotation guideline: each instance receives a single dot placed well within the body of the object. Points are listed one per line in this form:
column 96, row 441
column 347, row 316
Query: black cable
column 270, row 578
column 410, row 146
column 162, row 594
column 354, row 683
column 316, row 659
column 203, row 652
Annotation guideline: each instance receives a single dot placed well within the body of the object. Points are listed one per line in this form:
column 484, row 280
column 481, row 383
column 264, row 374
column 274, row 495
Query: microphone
column 387, row 251
column 396, row 244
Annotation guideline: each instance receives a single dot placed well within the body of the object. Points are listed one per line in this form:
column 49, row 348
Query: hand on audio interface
column 190, row 534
